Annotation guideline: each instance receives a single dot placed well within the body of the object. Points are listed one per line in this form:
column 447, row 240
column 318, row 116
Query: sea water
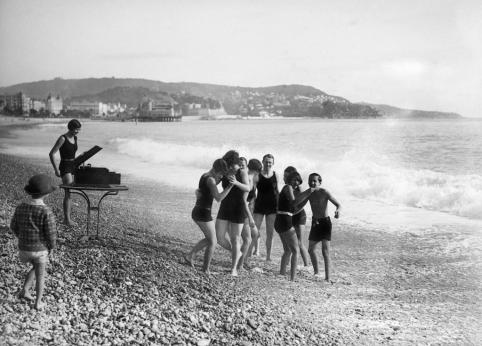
column 387, row 174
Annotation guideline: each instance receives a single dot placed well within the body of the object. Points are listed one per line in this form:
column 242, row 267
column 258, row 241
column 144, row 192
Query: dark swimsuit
column 67, row 156
column 284, row 216
column 300, row 217
column 202, row 209
column 267, row 200
column 251, row 194
column 232, row 206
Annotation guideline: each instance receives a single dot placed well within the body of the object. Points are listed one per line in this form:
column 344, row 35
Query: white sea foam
column 359, row 175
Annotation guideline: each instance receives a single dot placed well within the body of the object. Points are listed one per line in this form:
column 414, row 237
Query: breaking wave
column 360, row 175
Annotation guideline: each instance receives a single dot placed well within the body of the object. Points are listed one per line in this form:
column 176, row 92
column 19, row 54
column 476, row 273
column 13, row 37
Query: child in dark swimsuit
column 201, row 213
column 265, row 204
column 287, row 203
column 232, row 213
column 66, row 145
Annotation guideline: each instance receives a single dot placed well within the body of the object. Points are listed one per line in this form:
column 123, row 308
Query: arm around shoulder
column 218, row 196
column 302, row 198
column 243, row 185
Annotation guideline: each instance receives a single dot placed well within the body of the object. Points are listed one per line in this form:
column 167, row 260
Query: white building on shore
column 54, row 105
column 94, row 108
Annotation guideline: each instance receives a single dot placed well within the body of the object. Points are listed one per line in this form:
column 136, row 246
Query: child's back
column 34, row 225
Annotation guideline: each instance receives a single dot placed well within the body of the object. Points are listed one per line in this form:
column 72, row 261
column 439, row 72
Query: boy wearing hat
column 34, row 225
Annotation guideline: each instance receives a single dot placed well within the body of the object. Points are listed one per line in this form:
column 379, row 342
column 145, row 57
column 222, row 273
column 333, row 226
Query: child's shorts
column 320, row 229
column 34, row 256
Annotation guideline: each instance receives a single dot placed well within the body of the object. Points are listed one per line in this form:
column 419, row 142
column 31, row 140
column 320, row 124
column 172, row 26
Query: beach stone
column 203, row 342
column 252, row 323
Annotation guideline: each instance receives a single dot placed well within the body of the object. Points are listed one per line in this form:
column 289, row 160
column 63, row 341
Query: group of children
column 250, row 195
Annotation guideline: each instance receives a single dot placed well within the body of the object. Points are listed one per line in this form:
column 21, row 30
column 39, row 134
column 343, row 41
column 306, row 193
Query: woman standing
column 249, row 229
column 66, row 145
column 299, row 217
column 201, row 213
column 232, row 213
column 287, row 204
column 266, row 203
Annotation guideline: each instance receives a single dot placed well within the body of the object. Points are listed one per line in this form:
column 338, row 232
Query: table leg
column 108, row 193
column 87, row 200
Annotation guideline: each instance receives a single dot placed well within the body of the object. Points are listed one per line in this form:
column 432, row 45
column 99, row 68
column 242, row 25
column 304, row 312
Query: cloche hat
column 39, row 185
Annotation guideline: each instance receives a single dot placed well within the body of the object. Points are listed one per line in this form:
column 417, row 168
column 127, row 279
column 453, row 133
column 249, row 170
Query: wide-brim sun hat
column 40, row 185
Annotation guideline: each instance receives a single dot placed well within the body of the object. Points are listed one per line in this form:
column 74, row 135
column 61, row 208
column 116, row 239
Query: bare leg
column 325, row 249
column 67, row 179
column 235, row 230
column 246, row 238
column 210, row 235
column 211, row 246
column 222, row 228
column 312, row 251
column 258, row 220
column 29, row 279
column 40, row 282
column 254, row 240
column 286, row 255
column 289, row 238
column 299, row 234
column 292, row 241
column 269, row 234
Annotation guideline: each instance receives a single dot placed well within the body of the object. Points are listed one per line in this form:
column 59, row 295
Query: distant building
column 211, row 112
column 17, row 102
column 54, row 105
column 94, row 108
column 37, row 105
column 158, row 110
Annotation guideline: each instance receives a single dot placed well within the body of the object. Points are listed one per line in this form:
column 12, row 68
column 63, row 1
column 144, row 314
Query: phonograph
column 88, row 175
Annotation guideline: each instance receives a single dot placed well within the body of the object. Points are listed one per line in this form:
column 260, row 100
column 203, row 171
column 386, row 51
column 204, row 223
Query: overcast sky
column 412, row 53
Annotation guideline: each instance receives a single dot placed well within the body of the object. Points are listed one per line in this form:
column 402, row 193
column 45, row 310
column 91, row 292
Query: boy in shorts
column 34, row 225
column 321, row 223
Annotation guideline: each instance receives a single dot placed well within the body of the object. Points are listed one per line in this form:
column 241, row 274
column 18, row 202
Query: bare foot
column 25, row 295
column 208, row 272
column 234, row 272
column 39, row 306
column 188, row 260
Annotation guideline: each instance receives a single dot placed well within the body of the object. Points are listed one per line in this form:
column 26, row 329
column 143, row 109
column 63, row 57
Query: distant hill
column 287, row 100
column 124, row 95
column 69, row 88
column 395, row 112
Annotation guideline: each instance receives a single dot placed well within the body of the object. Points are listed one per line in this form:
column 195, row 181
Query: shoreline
column 390, row 288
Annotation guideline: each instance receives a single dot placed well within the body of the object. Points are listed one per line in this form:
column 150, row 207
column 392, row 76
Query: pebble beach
column 132, row 285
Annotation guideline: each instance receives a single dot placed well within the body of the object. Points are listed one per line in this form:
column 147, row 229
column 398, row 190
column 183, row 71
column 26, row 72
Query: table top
column 98, row 187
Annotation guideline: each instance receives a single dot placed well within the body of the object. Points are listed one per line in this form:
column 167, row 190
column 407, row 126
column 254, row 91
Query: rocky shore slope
column 133, row 287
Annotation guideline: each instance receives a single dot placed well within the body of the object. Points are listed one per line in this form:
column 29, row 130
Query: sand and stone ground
column 134, row 287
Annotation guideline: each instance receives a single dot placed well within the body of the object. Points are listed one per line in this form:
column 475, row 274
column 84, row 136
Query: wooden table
column 81, row 190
